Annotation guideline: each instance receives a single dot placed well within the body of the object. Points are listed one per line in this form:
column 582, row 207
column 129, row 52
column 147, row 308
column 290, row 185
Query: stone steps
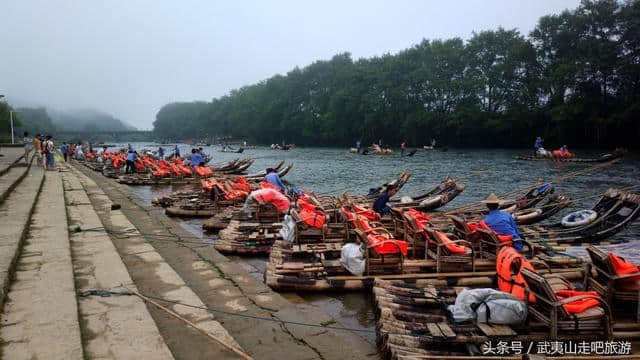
column 150, row 267
column 15, row 215
column 112, row 327
column 11, row 177
column 40, row 317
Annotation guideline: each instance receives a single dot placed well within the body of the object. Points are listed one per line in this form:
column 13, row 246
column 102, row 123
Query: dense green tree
column 575, row 79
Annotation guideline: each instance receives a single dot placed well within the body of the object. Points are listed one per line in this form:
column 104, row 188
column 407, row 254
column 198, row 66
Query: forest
column 574, row 79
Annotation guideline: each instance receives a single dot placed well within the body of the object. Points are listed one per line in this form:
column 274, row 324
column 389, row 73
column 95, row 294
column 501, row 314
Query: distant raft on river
column 617, row 154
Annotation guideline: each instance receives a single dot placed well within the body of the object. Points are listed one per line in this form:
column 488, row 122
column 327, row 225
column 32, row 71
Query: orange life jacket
column 310, row 214
column 140, row 166
column 203, row 170
column 577, row 306
column 623, row 267
column 164, row 164
column 266, row 185
column 483, row 225
column 160, row 172
column 185, row 170
column 451, row 246
column 515, row 287
column 241, row 184
column 271, row 196
column 383, row 245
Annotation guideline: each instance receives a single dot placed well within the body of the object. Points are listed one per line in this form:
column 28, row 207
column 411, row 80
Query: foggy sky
column 130, row 57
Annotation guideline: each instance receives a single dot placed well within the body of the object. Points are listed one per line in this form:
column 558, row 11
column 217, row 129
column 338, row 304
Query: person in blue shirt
column 196, row 158
column 537, row 145
column 64, row 149
column 273, row 178
column 176, row 151
column 130, row 167
column 90, row 147
column 381, row 204
column 501, row 222
column 160, row 153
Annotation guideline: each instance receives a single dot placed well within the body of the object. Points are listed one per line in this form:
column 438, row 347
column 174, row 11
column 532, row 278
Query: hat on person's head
column 492, row 199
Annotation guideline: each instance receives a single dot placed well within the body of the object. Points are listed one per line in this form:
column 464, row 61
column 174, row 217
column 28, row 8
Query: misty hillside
column 86, row 120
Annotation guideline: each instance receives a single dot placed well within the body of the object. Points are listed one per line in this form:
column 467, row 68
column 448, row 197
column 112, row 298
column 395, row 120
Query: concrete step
column 113, row 327
column 10, row 157
column 15, row 214
column 147, row 267
column 40, row 317
column 11, row 178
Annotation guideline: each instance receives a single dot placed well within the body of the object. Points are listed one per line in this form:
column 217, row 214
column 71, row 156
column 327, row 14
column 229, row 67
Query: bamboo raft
column 251, row 236
column 617, row 154
column 414, row 323
column 314, row 264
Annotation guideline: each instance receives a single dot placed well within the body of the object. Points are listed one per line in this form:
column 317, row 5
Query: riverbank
column 225, row 285
column 125, row 280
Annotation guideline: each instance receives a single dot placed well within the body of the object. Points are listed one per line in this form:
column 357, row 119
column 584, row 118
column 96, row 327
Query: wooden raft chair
column 549, row 309
column 607, row 283
column 440, row 251
column 307, row 233
column 365, row 228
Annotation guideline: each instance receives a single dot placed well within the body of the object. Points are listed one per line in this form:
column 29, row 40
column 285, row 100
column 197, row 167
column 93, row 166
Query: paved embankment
column 224, row 285
column 10, row 156
column 113, row 327
column 40, row 317
column 151, row 274
column 16, row 208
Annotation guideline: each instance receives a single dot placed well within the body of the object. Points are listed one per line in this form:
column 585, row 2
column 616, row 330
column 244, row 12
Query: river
column 331, row 170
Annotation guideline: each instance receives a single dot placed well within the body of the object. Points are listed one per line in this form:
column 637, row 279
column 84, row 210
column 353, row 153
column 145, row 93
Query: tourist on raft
column 196, row 158
column 273, row 178
column 160, row 153
column 176, row 151
column 537, row 145
column 501, row 222
column 132, row 156
column 381, row 204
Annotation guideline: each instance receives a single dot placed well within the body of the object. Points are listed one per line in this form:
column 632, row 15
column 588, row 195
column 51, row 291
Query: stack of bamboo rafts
column 415, row 321
column 199, row 202
column 163, row 172
column 456, row 247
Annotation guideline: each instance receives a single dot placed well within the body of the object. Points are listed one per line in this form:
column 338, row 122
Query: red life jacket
column 515, row 287
column 577, row 306
column 140, row 166
column 483, row 225
column 623, row 267
column 383, row 245
column 271, row 196
column 266, row 185
column 310, row 214
column 203, row 170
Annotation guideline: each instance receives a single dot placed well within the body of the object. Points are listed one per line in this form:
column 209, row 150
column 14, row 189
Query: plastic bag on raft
column 288, row 230
column 488, row 306
column 352, row 258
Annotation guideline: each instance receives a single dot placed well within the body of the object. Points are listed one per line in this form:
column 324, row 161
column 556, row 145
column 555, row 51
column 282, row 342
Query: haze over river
column 332, row 170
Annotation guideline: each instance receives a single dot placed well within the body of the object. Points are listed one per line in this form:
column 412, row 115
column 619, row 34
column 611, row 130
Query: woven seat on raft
column 613, row 285
column 552, row 311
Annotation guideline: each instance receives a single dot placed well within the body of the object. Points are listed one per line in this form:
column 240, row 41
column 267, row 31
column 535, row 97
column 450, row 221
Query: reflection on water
column 482, row 171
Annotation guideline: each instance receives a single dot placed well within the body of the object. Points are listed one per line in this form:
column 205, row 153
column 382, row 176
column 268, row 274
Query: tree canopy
column 575, row 79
